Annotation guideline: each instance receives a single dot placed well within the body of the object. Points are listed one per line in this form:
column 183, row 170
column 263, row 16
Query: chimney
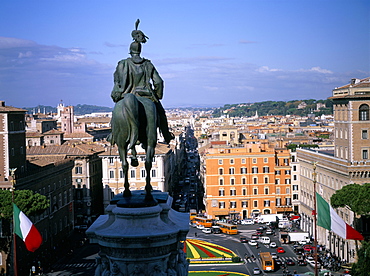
column 2, row 103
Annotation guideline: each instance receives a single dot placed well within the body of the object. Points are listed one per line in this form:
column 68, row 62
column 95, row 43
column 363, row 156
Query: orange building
column 240, row 182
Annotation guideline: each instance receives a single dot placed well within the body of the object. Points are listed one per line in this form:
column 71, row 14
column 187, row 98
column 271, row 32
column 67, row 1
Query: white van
column 265, row 240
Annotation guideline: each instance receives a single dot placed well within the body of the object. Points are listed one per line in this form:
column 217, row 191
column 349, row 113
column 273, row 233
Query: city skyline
column 209, row 53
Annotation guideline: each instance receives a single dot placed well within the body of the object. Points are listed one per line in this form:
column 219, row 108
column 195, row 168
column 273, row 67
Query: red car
column 308, row 247
column 280, row 250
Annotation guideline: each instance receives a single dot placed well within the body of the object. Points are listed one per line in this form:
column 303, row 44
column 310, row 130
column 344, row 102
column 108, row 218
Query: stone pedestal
column 137, row 237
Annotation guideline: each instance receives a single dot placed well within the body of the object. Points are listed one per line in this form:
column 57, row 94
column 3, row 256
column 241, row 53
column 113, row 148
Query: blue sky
column 209, row 52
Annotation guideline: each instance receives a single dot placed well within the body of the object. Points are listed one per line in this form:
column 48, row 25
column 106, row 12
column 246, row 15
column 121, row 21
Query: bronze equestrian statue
column 138, row 111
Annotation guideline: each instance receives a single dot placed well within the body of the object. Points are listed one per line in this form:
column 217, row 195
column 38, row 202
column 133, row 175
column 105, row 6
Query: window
column 153, row 160
column 277, row 172
column 364, row 112
column 295, row 187
column 244, row 204
column 120, row 173
column 255, row 180
column 220, row 161
column 111, row 160
column 266, row 179
column 255, row 191
column 265, row 160
column 286, row 161
column 365, row 154
column 220, row 171
column 232, row 192
column 287, row 181
column 221, row 192
column 266, row 203
column 244, row 191
column 254, row 170
column 295, row 196
column 243, row 170
column 287, row 172
column 232, row 204
column 287, row 190
column 244, row 181
column 278, row 202
column 277, row 181
column 111, row 174
column 78, row 170
column 243, row 161
column 295, row 177
column 232, row 181
column 133, row 173
column 364, row 134
column 231, row 161
column 266, row 169
column 288, row 201
column 278, row 191
column 154, row 173
column 143, row 173
column 255, row 203
column 221, row 205
column 266, row 191
column 231, row 170
column 254, row 160
column 221, row 181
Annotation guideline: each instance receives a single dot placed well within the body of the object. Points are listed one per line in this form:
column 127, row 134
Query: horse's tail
column 131, row 113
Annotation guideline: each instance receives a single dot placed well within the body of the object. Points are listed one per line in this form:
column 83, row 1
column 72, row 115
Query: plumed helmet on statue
column 138, row 37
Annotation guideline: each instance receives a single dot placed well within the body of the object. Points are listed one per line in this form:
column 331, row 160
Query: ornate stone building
column 348, row 163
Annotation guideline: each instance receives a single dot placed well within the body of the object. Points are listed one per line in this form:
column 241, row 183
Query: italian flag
column 329, row 219
column 25, row 229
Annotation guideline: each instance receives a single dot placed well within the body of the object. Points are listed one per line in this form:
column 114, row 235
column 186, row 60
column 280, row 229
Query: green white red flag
column 26, row 230
column 329, row 219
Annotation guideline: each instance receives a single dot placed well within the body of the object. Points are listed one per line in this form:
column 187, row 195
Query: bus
column 207, row 223
column 228, row 228
column 267, row 262
column 193, row 214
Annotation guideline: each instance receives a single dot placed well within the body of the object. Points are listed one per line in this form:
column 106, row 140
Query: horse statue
column 134, row 120
column 138, row 111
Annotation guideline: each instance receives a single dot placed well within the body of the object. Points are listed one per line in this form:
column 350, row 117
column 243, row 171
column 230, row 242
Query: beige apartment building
column 348, row 163
column 113, row 178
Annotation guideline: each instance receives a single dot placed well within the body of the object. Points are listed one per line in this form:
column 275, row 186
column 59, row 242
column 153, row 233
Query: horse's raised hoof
column 134, row 162
column 126, row 193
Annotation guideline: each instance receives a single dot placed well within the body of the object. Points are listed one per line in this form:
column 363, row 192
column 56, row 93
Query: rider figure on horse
column 138, row 76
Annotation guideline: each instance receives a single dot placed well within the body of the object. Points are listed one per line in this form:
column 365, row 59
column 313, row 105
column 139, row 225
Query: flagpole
column 314, row 174
column 15, row 266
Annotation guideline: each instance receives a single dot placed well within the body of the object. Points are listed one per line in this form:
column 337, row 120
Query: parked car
column 302, row 263
column 243, row 239
column 256, row 271
column 207, row 230
column 252, row 243
column 280, row 250
column 247, row 221
column 273, row 245
column 274, row 256
column 254, row 237
column 278, row 261
column 290, row 262
column 200, row 226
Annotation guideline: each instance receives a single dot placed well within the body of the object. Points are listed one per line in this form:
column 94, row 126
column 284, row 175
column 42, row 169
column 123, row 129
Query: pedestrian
column 196, row 234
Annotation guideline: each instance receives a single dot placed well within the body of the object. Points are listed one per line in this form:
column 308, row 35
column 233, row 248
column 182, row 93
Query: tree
column 362, row 266
column 27, row 201
column 355, row 196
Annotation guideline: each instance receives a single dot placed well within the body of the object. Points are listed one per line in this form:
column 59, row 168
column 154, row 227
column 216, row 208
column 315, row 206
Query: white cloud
column 263, row 69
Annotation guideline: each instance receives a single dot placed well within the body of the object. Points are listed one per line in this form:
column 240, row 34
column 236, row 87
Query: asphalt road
column 233, row 243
